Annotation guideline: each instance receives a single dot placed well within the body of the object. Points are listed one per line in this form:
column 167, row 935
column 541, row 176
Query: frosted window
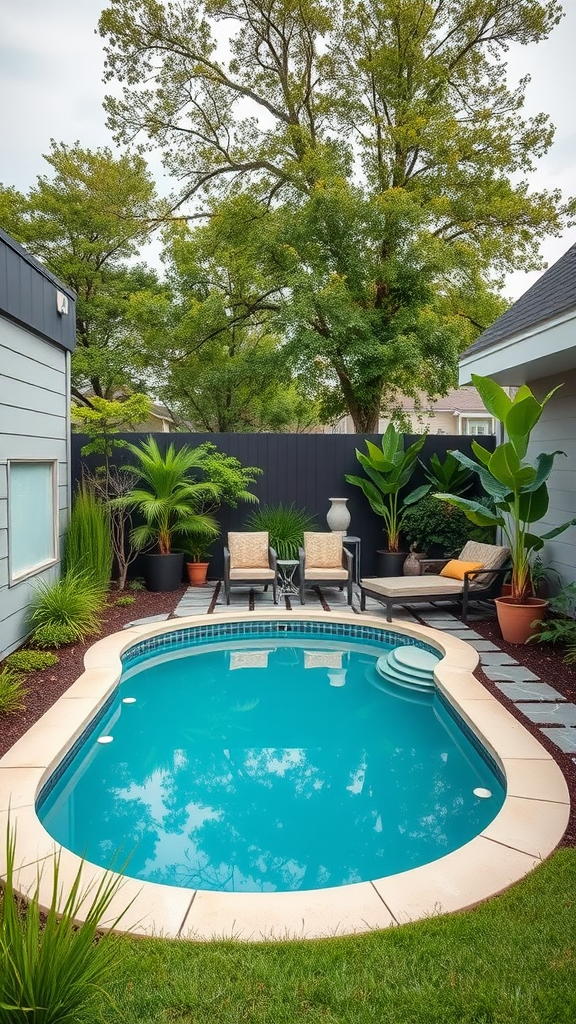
column 32, row 515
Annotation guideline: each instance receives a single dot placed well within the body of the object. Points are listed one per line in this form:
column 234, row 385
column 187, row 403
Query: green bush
column 433, row 524
column 12, row 692
column 31, row 661
column 125, row 601
column 87, row 542
column 50, row 966
column 136, row 584
column 285, row 525
column 53, row 635
column 67, row 609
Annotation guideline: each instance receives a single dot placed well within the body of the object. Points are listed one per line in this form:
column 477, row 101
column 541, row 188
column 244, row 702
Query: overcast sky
column 50, row 87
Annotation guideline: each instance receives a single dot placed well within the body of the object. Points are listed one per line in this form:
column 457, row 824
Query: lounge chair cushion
column 406, row 587
column 249, row 550
column 456, row 568
column 492, row 556
column 326, row 574
column 323, row 551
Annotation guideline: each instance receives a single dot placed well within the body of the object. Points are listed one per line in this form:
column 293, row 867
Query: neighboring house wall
column 34, row 435
column 556, row 431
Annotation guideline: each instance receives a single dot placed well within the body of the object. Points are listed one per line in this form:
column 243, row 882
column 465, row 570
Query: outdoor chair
column 324, row 560
column 477, row 574
column 249, row 560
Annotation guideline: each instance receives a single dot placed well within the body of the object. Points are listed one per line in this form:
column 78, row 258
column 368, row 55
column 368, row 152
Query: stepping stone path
column 537, row 700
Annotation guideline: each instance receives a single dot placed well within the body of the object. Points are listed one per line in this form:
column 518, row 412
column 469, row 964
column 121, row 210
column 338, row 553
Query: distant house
column 460, row 412
column 159, row 419
column 534, row 342
column 37, row 335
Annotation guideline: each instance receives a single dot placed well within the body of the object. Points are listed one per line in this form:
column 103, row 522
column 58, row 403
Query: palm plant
column 285, row 525
column 167, row 497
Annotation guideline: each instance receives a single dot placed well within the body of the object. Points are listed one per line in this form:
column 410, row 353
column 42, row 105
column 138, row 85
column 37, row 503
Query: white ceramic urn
column 338, row 516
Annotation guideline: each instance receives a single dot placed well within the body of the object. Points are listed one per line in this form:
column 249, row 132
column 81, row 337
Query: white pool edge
column 527, row 829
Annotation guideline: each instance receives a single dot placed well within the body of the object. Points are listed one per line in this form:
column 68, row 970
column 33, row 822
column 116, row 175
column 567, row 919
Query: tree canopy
column 85, row 222
column 383, row 153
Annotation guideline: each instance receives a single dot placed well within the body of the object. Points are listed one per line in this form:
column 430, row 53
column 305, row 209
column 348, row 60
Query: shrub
column 137, row 584
column 50, row 966
column 12, row 692
column 435, row 524
column 54, row 635
column 125, row 601
column 87, row 543
column 67, row 608
column 31, row 661
column 285, row 525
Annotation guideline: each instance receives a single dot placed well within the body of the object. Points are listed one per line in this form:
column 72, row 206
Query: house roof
column 552, row 294
column 465, row 399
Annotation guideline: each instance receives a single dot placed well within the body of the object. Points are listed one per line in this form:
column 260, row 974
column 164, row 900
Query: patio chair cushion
column 253, row 574
column 249, row 550
column 326, row 574
column 456, row 568
column 323, row 550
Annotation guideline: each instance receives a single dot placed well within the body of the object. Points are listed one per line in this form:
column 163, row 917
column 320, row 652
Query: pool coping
column 527, row 829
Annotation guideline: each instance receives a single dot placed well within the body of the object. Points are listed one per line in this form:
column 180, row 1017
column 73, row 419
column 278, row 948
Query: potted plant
column 520, row 495
column 198, row 558
column 389, row 469
column 167, row 498
column 285, row 526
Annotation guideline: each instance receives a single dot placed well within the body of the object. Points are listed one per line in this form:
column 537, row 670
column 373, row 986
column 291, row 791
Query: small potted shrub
column 198, row 555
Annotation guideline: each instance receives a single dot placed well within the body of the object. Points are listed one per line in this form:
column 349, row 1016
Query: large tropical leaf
column 508, row 470
column 533, row 505
column 474, row 511
column 521, row 419
column 495, row 399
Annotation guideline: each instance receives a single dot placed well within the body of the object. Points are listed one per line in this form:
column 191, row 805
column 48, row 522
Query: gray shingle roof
column 551, row 295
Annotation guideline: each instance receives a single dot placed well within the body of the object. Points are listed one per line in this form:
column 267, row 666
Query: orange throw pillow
column 456, row 569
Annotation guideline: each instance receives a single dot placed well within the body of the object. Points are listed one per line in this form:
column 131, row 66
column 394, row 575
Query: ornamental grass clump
column 66, row 610
column 51, row 967
column 285, row 525
column 12, row 692
column 88, row 544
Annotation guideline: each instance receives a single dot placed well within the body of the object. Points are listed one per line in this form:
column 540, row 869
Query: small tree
column 102, row 420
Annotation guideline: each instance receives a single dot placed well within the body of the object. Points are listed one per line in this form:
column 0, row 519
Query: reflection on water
column 253, row 780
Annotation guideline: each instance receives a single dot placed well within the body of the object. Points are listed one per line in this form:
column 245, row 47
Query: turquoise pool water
column 269, row 763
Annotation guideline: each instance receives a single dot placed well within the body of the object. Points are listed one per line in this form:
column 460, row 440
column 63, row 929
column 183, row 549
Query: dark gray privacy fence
column 307, row 469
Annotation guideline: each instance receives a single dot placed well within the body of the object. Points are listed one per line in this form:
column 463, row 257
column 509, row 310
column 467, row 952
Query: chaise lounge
column 477, row 574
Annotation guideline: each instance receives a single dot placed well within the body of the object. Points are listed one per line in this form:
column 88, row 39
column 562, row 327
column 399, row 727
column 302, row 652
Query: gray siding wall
column 33, row 425
column 556, row 430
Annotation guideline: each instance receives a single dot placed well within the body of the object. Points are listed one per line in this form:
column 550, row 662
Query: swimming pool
column 274, row 761
column 527, row 828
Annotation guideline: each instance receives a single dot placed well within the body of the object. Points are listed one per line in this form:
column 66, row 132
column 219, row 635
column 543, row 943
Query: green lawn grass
column 509, row 961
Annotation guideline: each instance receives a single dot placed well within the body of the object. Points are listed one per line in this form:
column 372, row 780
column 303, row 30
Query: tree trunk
column 365, row 419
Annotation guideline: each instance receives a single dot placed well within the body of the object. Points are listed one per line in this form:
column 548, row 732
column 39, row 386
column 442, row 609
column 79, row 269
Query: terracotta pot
column 515, row 620
column 197, row 573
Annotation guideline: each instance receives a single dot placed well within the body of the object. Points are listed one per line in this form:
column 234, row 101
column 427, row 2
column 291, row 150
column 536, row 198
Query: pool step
column 408, row 666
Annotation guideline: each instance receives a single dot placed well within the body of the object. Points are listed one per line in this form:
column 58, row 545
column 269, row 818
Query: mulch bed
column 44, row 688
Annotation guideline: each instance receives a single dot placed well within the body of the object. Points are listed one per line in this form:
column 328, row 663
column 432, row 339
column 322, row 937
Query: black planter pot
column 163, row 572
column 390, row 563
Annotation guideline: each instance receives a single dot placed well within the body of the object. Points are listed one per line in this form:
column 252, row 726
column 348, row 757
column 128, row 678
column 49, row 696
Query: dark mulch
column 544, row 660
column 44, row 688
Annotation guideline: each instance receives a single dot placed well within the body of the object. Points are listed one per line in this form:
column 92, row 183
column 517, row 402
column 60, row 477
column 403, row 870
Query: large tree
column 383, row 144
column 216, row 360
column 86, row 221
